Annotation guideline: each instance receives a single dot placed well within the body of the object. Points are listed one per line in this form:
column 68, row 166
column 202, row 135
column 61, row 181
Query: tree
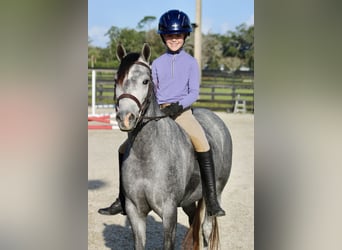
column 250, row 52
column 146, row 21
column 211, row 52
column 241, row 44
column 233, row 49
column 113, row 33
column 157, row 46
column 93, row 54
column 232, row 63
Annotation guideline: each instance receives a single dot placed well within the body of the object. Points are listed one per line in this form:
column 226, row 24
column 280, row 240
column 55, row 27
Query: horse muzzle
column 126, row 120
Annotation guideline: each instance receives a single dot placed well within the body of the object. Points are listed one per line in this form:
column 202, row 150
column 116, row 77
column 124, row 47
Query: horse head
column 133, row 86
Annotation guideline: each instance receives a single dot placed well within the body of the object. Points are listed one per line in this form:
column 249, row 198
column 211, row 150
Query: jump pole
column 103, row 127
column 106, row 119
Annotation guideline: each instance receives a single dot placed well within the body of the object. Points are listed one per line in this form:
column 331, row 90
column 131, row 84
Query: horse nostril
column 126, row 120
column 118, row 117
column 131, row 117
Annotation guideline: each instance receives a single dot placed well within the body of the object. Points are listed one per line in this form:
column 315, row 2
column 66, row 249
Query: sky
column 218, row 16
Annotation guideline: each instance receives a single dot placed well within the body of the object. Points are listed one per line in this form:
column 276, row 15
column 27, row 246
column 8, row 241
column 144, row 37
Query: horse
column 160, row 172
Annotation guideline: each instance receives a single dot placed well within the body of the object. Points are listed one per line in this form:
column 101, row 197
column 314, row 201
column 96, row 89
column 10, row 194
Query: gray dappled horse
column 159, row 170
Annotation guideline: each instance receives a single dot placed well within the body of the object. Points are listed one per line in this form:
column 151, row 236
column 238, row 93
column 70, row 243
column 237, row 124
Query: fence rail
column 217, row 92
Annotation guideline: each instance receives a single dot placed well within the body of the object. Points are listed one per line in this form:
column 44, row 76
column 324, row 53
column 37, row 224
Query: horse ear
column 146, row 52
column 120, row 52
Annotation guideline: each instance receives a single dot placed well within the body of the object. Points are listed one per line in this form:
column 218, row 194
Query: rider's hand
column 173, row 109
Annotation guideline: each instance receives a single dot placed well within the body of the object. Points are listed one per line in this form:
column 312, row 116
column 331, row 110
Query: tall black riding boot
column 207, row 170
column 118, row 205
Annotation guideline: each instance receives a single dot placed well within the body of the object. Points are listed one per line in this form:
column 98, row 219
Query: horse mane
column 125, row 64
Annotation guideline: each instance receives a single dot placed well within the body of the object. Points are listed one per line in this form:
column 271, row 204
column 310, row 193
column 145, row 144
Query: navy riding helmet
column 174, row 22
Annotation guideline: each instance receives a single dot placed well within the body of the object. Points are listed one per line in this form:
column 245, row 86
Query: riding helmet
column 174, row 22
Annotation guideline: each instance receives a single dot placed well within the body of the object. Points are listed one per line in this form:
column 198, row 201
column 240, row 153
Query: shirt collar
column 174, row 52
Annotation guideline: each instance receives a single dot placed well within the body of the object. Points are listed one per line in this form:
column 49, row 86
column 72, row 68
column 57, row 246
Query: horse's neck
column 153, row 113
column 153, row 109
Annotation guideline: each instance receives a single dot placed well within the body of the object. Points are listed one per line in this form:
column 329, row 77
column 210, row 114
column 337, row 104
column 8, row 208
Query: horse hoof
column 217, row 213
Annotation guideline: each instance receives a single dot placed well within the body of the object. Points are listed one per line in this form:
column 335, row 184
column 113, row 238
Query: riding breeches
column 192, row 127
column 195, row 131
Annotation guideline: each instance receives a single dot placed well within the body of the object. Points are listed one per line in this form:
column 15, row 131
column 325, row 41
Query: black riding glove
column 173, row 109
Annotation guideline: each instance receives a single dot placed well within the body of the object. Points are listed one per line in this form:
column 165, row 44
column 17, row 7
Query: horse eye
column 145, row 82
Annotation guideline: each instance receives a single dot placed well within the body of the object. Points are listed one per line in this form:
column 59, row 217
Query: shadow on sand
column 119, row 237
column 95, row 184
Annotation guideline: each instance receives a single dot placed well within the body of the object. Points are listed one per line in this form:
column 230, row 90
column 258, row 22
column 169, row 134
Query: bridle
column 142, row 106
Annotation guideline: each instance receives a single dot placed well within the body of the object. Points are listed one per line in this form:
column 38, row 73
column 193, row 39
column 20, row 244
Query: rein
column 156, row 118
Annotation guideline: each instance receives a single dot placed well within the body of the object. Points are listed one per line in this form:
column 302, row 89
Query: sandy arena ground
column 113, row 232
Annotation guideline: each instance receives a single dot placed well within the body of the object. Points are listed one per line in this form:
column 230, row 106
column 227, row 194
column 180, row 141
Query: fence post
column 93, row 91
column 100, row 90
column 212, row 93
column 233, row 92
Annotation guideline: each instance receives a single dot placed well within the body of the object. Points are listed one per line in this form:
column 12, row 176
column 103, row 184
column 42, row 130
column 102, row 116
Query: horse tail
column 214, row 238
column 194, row 238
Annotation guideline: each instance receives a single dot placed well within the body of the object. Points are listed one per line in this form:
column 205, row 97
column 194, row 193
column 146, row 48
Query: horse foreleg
column 169, row 224
column 138, row 223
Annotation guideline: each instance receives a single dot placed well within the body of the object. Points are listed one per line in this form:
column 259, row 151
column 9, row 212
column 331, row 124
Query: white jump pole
column 93, row 91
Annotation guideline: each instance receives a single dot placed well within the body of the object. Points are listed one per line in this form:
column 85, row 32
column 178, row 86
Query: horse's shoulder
column 173, row 129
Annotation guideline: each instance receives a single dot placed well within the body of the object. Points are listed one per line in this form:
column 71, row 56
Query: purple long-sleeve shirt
column 176, row 78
